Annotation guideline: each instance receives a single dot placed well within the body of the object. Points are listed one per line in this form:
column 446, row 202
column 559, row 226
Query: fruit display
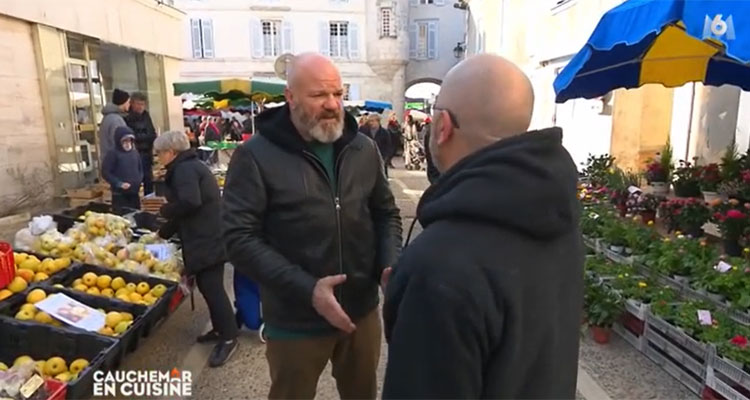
column 31, row 269
column 130, row 292
column 54, row 367
column 116, row 323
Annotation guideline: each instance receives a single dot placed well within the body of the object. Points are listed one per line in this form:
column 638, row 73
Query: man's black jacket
column 144, row 130
column 286, row 227
column 486, row 302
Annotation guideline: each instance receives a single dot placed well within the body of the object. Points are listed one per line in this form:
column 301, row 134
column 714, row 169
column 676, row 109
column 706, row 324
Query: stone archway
column 436, row 81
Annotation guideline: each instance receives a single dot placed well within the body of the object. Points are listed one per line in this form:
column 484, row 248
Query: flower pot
column 647, row 216
column 716, row 297
column 617, row 249
column 600, row 334
column 732, row 247
column 660, row 189
column 686, row 189
column 628, row 251
column 709, row 197
column 695, row 231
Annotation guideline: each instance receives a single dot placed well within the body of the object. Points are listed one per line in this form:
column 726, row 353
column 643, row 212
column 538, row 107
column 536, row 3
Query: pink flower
column 735, row 214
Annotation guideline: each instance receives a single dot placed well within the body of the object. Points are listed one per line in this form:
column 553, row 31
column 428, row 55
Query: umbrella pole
column 690, row 124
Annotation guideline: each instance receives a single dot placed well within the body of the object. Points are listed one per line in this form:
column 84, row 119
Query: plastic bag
column 24, row 240
column 12, row 379
column 41, row 224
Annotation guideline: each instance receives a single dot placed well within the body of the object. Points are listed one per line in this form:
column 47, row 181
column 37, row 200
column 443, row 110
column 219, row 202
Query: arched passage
column 420, row 94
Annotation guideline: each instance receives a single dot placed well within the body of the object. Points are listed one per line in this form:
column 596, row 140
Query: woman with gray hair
column 193, row 212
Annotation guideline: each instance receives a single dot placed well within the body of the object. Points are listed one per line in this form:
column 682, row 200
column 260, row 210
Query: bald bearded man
column 486, row 302
column 309, row 215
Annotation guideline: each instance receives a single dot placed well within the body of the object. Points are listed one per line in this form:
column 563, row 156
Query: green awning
column 256, row 90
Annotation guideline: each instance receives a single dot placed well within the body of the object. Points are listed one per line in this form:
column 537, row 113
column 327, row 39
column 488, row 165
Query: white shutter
column 353, row 91
column 195, row 33
column 353, row 40
column 325, row 38
column 413, row 28
column 432, row 40
column 256, row 37
column 287, row 37
column 413, row 2
column 208, row 38
column 439, row 2
column 381, row 31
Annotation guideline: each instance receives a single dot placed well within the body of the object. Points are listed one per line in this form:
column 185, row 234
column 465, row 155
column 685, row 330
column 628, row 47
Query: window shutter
column 208, row 38
column 413, row 2
column 439, row 2
column 195, row 32
column 325, row 38
column 287, row 37
column 353, row 40
column 432, row 40
column 353, row 92
column 256, row 37
column 381, row 31
column 413, row 40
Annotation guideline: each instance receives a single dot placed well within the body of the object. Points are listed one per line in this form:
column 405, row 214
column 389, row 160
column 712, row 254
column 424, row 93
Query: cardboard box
column 73, row 202
column 83, row 193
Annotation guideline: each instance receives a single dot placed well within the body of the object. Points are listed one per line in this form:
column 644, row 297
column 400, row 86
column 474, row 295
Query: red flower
column 735, row 214
column 739, row 341
column 718, row 217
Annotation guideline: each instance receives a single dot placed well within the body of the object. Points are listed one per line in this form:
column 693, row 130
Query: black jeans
column 210, row 282
column 126, row 200
column 147, row 161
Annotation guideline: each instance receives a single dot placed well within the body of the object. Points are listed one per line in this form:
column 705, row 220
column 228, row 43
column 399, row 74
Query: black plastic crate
column 42, row 342
column 153, row 314
column 129, row 339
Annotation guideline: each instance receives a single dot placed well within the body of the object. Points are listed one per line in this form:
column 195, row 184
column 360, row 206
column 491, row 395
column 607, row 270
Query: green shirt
column 325, row 153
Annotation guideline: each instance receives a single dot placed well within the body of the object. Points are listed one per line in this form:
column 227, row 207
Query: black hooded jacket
column 286, row 227
column 120, row 166
column 486, row 302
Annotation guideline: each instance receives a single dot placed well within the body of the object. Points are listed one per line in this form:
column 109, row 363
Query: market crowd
column 484, row 303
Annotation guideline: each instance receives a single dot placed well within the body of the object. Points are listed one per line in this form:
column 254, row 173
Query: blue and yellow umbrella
column 671, row 42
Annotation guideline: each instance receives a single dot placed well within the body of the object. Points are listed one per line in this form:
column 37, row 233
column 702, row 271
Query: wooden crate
column 83, row 193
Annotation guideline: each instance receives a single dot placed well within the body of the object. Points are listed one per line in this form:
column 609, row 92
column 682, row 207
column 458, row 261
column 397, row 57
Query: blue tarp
column 379, row 106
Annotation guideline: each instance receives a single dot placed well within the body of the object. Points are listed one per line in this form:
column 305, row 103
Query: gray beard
column 328, row 134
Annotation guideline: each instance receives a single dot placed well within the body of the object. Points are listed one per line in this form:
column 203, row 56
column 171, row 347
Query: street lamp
column 459, row 50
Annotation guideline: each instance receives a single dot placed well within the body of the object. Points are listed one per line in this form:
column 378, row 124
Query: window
column 339, row 39
column 423, row 40
column 271, row 38
column 387, row 23
column 426, row 1
column 202, row 36
column 347, row 88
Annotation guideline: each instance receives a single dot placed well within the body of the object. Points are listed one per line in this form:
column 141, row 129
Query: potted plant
column 597, row 168
column 736, row 351
column 691, row 216
column 614, row 236
column 603, row 309
column 644, row 205
column 659, row 171
column 687, row 179
column 669, row 210
column 732, row 220
column 710, row 179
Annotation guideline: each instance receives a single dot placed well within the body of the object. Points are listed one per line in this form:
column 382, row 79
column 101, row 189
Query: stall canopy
column 377, row 106
column 671, row 42
column 233, row 89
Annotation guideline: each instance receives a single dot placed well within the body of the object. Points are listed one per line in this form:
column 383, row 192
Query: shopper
column 139, row 120
column 193, row 213
column 382, row 139
column 310, row 217
column 112, row 119
column 396, row 139
column 486, row 302
column 123, row 171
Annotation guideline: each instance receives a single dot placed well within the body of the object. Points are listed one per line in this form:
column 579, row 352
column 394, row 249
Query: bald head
column 315, row 93
column 490, row 96
column 482, row 100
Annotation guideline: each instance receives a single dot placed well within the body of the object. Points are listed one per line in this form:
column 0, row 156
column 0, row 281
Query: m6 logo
column 719, row 28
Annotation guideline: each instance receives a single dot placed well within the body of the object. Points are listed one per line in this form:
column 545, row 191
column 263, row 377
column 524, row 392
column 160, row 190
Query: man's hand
column 385, row 277
column 326, row 305
column 125, row 186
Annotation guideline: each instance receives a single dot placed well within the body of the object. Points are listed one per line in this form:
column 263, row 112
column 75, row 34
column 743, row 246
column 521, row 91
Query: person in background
column 382, row 139
column 486, row 302
column 113, row 119
column 192, row 138
column 139, row 120
column 235, row 131
column 410, row 135
column 123, row 170
column 432, row 172
column 310, row 217
column 396, row 137
column 193, row 212
column 212, row 133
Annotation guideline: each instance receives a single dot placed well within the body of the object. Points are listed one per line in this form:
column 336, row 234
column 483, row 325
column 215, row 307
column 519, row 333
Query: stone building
column 368, row 39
